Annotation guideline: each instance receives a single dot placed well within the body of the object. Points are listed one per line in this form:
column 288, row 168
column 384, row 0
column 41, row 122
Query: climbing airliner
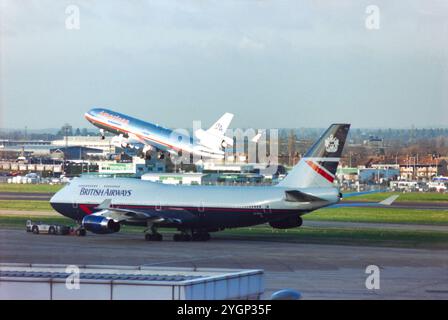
column 148, row 137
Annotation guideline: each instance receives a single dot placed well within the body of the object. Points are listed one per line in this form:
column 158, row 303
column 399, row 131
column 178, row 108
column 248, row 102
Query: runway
column 25, row 196
column 318, row 271
column 375, row 225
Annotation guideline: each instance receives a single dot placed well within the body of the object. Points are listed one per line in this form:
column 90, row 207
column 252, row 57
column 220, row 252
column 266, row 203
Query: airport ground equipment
column 47, row 228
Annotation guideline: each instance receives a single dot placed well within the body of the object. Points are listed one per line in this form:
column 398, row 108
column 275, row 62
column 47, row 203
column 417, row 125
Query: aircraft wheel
column 153, row 237
column 35, row 230
column 181, row 237
column 196, row 237
column 202, row 236
column 51, row 230
column 206, row 236
column 80, row 232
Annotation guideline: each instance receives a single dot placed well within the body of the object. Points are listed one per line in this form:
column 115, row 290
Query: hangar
column 104, row 282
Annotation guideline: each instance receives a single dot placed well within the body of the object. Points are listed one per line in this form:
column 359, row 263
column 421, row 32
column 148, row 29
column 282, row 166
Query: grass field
column 408, row 196
column 30, row 188
column 376, row 215
column 25, row 205
column 345, row 236
column 380, row 215
column 342, row 236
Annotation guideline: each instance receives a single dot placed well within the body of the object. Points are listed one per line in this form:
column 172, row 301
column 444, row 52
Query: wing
column 120, row 215
column 386, row 202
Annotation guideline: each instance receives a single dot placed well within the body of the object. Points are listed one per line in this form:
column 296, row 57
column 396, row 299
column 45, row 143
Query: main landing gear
column 153, row 235
column 80, row 231
column 194, row 236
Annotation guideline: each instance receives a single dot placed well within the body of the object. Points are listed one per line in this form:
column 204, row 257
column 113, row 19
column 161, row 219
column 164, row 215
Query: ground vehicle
column 40, row 227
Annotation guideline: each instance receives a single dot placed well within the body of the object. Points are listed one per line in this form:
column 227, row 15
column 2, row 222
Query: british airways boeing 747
column 101, row 205
column 147, row 137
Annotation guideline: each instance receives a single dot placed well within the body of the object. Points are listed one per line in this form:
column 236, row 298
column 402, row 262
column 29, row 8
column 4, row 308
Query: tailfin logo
column 331, row 144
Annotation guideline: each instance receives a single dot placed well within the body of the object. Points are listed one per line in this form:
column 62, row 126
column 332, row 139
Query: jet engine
column 212, row 141
column 100, row 225
column 120, row 142
column 291, row 222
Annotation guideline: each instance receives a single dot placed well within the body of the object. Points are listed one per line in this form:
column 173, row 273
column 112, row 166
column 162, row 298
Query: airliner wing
column 120, row 214
column 298, row 196
column 386, row 202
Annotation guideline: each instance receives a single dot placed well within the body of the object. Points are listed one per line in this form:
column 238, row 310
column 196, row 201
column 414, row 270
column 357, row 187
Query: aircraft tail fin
column 219, row 128
column 318, row 166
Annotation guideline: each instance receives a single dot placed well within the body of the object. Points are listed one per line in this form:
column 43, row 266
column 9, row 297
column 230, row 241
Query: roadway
column 318, row 271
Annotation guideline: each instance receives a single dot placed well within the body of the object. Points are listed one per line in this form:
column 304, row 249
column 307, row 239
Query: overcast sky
column 272, row 63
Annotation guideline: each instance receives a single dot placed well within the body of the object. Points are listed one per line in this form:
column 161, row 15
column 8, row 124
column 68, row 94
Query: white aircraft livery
column 101, row 205
column 147, row 137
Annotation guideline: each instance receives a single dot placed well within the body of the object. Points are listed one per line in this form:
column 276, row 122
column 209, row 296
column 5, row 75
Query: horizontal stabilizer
column 257, row 137
column 390, row 200
column 298, row 196
column 386, row 202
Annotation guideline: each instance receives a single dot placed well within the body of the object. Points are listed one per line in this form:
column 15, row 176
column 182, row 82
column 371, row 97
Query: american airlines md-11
column 147, row 137
column 101, row 205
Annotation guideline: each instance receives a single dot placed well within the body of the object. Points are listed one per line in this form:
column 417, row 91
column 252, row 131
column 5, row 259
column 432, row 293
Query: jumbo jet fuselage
column 209, row 208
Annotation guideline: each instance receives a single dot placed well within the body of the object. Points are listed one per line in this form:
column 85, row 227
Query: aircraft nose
column 91, row 113
column 55, row 198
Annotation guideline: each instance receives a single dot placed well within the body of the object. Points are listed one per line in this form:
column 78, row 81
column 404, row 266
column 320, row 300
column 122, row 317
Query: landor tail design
column 318, row 166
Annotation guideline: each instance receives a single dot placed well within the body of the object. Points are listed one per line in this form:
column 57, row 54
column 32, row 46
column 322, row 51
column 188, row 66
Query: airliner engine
column 291, row 222
column 100, row 225
column 212, row 141
column 120, row 142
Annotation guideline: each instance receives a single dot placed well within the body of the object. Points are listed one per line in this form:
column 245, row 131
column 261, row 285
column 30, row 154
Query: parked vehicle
column 40, row 227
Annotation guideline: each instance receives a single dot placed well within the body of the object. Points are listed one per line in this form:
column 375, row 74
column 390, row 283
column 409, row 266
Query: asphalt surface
column 317, row 271
column 375, row 225
column 25, row 196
